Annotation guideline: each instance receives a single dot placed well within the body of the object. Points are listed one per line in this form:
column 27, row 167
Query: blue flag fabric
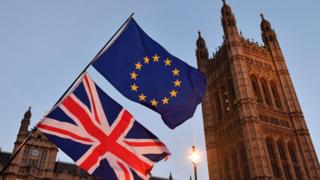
column 145, row 72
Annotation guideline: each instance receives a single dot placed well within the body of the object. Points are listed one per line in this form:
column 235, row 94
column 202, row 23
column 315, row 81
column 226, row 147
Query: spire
column 28, row 114
column 269, row 37
column 170, row 176
column 229, row 23
column 25, row 122
column 202, row 51
column 201, row 43
column 265, row 24
column 225, row 7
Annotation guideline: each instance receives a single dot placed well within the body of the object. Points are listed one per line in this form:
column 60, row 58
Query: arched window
column 265, row 90
column 43, row 158
column 25, row 155
column 284, row 160
column 256, row 88
column 218, row 105
column 292, row 153
column 294, row 161
column 275, row 94
column 272, row 157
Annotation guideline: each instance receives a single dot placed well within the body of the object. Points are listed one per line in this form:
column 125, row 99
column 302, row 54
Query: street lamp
column 195, row 159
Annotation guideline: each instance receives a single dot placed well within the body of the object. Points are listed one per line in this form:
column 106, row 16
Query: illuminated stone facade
column 37, row 159
column 254, row 126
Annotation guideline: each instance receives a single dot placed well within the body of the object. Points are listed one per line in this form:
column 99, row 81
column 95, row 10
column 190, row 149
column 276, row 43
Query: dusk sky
column 44, row 45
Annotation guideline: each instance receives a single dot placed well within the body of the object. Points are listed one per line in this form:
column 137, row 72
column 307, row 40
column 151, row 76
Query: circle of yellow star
column 177, row 83
column 134, row 87
column 133, row 75
column 138, row 66
column 154, row 102
column 167, row 62
column 176, row 72
column 173, row 93
column 155, row 58
column 142, row 97
column 146, row 60
column 165, row 100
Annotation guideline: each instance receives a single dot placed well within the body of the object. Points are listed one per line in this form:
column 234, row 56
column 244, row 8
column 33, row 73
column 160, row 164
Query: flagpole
column 84, row 70
column 19, row 149
column 69, row 88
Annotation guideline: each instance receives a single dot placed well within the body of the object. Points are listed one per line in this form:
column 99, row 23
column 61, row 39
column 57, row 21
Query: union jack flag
column 101, row 136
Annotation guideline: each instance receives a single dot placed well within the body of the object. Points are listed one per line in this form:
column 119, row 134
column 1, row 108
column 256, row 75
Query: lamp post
column 195, row 158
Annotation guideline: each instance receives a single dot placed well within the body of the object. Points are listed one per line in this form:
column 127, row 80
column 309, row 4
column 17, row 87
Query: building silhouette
column 254, row 126
column 37, row 159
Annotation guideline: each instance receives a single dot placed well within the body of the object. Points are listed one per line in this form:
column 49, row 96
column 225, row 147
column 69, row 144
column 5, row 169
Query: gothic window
column 284, row 160
column 275, row 94
column 292, row 153
column 272, row 156
column 256, row 88
column 266, row 91
column 25, row 155
column 298, row 173
column 218, row 105
column 270, row 149
column 282, row 151
column 294, row 161
column 286, row 171
column 43, row 158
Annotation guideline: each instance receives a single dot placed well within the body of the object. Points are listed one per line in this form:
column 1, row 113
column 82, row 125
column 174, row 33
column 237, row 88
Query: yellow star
column 133, row 75
column 154, row 102
column 167, row 62
column 138, row 65
column 173, row 93
column 134, row 87
column 142, row 97
column 176, row 72
column 155, row 58
column 165, row 100
column 146, row 60
column 177, row 83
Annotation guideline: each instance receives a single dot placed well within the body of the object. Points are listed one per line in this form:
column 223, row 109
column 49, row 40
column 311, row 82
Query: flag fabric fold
column 101, row 136
column 143, row 71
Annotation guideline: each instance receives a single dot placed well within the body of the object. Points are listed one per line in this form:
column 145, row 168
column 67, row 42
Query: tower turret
column 229, row 23
column 201, row 52
column 25, row 123
column 269, row 37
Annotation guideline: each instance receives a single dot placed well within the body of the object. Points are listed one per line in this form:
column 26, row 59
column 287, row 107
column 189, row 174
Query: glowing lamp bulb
column 194, row 156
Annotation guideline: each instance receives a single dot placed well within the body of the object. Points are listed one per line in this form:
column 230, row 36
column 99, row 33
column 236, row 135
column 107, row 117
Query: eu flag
column 145, row 72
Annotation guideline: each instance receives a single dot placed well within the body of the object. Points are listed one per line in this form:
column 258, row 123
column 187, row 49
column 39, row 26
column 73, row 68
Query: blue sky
column 45, row 44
